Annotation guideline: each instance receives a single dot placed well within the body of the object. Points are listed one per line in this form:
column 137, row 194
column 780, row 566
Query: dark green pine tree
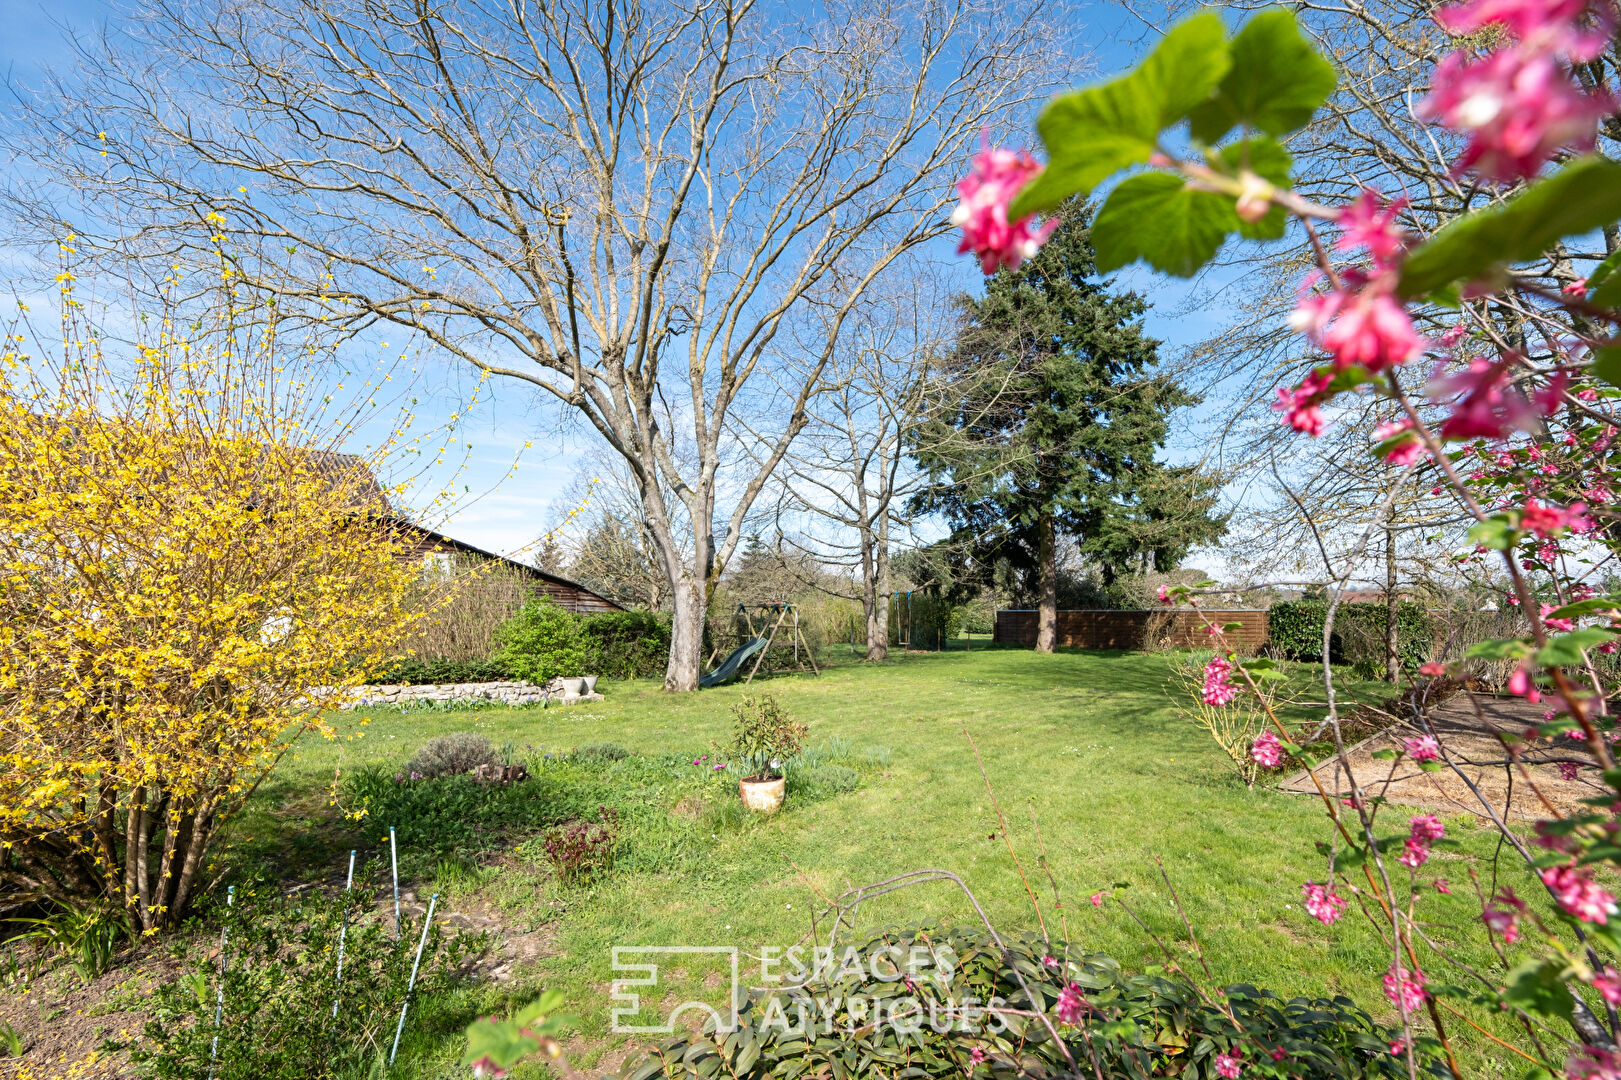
column 1048, row 417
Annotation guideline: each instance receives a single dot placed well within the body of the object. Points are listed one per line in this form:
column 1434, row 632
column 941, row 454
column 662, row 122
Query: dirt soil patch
column 1467, row 726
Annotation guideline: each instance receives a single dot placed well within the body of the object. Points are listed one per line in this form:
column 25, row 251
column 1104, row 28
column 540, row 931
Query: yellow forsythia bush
column 189, row 576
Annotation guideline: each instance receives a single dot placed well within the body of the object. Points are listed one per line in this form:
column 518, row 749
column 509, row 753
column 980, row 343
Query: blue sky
column 516, row 510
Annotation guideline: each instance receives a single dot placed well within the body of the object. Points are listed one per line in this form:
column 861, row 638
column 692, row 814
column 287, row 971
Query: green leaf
column 1538, row 986
column 1495, row 533
column 1277, row 80
column 1499, row 649
column 1584, row 607
column 1604, row 284
column 1091, row 134
column 1607, row 364
column 1384, row 755
column 1266, row 158
column 1566, row 649
column 1157, row 218
column 1581, row 197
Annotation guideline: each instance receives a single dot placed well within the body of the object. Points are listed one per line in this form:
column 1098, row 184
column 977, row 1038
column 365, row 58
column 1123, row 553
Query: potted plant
column 764, row 737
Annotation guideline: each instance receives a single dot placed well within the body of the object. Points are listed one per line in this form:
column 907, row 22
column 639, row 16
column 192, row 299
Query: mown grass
column 1086, row 744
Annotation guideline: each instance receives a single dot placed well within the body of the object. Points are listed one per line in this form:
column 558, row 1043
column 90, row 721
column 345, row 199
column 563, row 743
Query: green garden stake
column 394, row 858
column 343, row 930
column 427, row 921
column 219, row 999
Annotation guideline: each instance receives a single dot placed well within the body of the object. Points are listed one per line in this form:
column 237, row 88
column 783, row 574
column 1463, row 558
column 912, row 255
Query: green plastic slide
column 727, row 671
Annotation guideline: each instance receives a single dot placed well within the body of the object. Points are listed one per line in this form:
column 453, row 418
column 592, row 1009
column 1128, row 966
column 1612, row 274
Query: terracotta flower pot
column 762, row 794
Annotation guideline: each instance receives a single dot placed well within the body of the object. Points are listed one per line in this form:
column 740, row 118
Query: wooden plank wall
column 1129, row 629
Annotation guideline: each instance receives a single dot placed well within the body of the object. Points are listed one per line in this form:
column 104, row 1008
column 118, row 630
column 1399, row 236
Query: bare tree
column 620, row 204
column 850, row 469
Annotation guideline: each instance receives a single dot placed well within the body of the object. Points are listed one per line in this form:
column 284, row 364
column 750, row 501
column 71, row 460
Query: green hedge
column 1295, row 630
column 542, row 641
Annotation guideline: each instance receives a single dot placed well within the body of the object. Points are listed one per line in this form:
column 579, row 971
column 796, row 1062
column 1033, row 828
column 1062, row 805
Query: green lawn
column 1088, row 740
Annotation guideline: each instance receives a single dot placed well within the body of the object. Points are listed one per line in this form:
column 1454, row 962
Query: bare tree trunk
column 877, row 596
column 1047, row 617
column 1392, row 653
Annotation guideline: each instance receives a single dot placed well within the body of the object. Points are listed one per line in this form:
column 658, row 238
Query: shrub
column 439, row 670
column 455, row 813
column 1134, row 1025
column 542, row 642
column 583, row 849
column 601, row 752
column 1295, row 630
column 279, row 986
column 763, row 735
column 451, row 755
column 625, row 644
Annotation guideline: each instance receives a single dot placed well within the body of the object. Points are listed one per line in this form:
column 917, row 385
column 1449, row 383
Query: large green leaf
column 1566, row 649
column 1091, row 134
column 1156, row 217
column 1266, row 158
column 1581, row 197
column 1538, row 986
column 1277, row 80
column 1604, row 284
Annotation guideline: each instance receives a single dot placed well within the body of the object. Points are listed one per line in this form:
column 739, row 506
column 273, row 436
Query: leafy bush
column 455, row 813
column 279, row 989
column 1137, row 1026
column 1295, row 630
column 451, row 755
column 438, row 670
column 763, row 735
column 87, row 937
column 542, row 642
column 583, row 849
column 601, row 752
column 625, row 644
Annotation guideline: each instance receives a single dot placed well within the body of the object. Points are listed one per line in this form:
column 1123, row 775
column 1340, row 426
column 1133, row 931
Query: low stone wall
column 556, row 692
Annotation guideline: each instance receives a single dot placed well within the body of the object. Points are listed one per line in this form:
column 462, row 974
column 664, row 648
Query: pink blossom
column 1520, row 684
column 1548, row 24
column 1423, row 748
column 1230, row 1064
column 976, row 1055
column 1097, row 899
column 1505, row 924
column 1405, row 989
column 1049, row 961
column 1217, row 689
column 1433, row 670
column 1608, row 983
column 1164, row 594
column 1569, row 770
column 1426, row 827
column 1267, row 751
column 1579, row 895
column 1593, row 1063
column 1442, row 887
column 1398, row 1047
column 485, row 1066
column 1415, row 853
column 1562, row 625
column 1576, row 288
column 1519, row 107
column 1487, row 406
column 996, row 177
column 1070, row 1005
column 1406, row 447
column 1301, row 403
column 1278, row 1053
column 1549, row 521
column 1368, row 221
column 1322, row 902
column 1360, row 324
